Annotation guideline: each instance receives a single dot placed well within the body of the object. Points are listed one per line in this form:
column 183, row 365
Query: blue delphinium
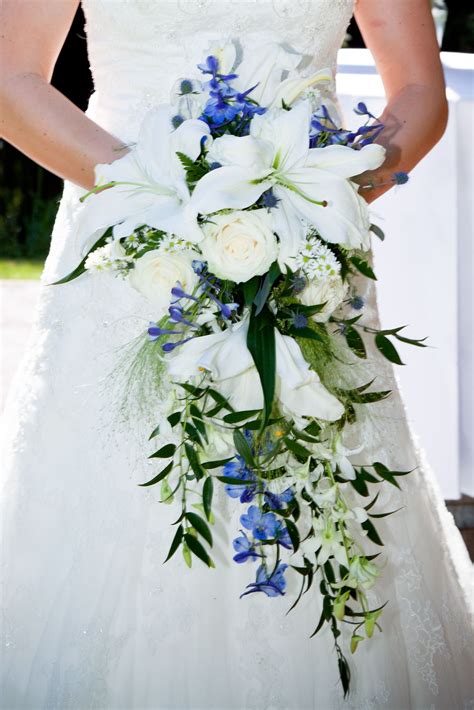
column 273, row 584
column 278, row 501
column 263, row 526
column 244, row 548
column 225, row 103
column 237, row 469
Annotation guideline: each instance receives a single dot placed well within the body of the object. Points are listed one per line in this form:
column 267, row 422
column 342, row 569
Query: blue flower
column 277, row 502
column 269, row 200
column 244, row 548
column 299, row 320
column 283, row 536
column 219, row 111
column 238, row 469
column 176, row 121
column 272, row 585
column 400, row 178
column 186, row 86
column 263, row 526
column 357, row 302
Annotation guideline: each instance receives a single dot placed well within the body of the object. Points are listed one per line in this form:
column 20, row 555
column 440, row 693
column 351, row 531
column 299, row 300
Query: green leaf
column 207, row 493
column 412, row 341
column 293, row 533
column 243, row 448
column 194, row 461
column 265, row 288
column 344, row 674
column 320, row 625
column 387, row 349
column 166, row 493
column 154, row 433
column 230, row 480
column 377, row 231
column 363, row 267
column 187, row 555
column 355, row 342
column 174, row 418
column 261, row 343
column 297, row 449
column 385, row 515
column 159, row 477
column 306, row 333
column 216, row 464
column 250, row 289
column 372, row 533
column 236, row 417
column 200, row 525
column 197, row 420
column 197, row 549
column 166, row 452
column 178, row 536
column 80, row 268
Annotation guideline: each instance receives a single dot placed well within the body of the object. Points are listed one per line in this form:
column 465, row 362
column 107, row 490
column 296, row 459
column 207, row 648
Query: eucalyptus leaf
column 207, row 493
column 200, row 525
column 355, row 342
column 377, row 231
column 363, row 267
column 178, row 536
column 387, row 349
column 159, row 477
column 166, row 452
column 243, row 448
column 197, row 549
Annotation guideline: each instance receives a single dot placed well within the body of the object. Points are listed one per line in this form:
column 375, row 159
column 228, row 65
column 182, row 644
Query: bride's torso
column 138, row 48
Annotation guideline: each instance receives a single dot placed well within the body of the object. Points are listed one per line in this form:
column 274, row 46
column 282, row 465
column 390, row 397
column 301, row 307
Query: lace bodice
column 138, row 48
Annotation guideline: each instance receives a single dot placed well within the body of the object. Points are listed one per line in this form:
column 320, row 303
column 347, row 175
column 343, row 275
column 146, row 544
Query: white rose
column 330, row 291
column 239, row 245
column 156, row 273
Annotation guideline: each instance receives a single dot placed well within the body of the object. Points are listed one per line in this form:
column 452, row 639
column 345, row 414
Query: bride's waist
column 121, row 112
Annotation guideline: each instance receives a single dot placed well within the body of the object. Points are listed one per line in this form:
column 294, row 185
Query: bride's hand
column 402, row 39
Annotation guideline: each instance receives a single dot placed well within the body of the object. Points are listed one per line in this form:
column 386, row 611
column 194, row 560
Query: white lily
column 226, row 357
column 264, row 67
column 311, row 183
column 151, row 187
column 292, row 88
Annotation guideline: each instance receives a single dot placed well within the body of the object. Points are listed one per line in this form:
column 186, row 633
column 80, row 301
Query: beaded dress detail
column 91, row 618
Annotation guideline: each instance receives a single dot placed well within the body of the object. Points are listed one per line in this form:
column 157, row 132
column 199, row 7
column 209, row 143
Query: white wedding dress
column 91, row 616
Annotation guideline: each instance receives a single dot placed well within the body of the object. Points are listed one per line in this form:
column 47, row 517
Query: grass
column 21, row 268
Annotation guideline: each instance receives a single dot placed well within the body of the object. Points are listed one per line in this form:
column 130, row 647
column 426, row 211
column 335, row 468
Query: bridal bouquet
column 236, row 216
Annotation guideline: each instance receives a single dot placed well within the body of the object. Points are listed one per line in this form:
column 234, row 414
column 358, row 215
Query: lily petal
column 229, row 188
column 288, row 131
column 344, row 161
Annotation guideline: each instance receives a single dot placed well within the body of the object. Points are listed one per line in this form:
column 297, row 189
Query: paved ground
column 17, row 302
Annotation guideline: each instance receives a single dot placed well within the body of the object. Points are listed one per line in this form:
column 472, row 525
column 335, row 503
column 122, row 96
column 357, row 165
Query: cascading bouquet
column 236, row 216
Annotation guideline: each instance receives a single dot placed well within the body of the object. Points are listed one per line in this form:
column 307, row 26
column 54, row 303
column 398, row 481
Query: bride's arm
column 34, row 116
column 402, row 39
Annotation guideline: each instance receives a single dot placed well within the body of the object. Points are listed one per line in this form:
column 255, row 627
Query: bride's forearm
column 44, row 124
column 414, row 120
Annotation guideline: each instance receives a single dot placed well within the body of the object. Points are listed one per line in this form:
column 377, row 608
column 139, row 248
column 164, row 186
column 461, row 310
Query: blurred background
column 437, row 384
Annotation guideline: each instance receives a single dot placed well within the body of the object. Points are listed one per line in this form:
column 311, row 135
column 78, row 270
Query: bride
column 91, row 616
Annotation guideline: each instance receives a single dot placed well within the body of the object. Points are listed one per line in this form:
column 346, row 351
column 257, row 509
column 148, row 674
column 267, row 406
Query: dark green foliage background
column 29, row 195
